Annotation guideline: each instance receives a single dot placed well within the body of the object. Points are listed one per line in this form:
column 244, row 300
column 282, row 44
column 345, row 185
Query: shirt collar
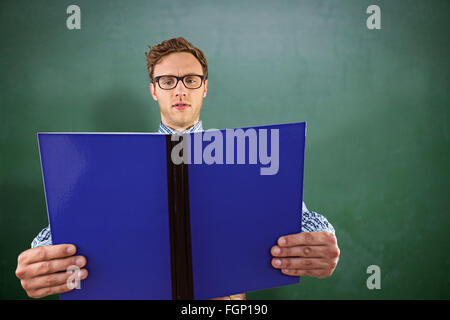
column 195, row 128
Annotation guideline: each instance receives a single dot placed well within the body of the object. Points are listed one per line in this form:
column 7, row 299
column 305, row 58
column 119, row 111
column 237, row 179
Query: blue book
column 152, row 227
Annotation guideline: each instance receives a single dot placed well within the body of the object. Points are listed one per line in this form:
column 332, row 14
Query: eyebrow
column 187, row 74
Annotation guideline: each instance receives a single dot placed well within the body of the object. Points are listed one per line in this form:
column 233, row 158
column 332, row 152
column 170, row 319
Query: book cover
column 151, row 227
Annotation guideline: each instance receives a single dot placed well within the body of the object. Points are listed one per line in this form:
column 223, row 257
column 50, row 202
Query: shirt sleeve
column 314, row 222
column 44, row 238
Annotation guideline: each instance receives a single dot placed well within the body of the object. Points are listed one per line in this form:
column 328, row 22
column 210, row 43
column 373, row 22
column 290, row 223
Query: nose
column 180, row 89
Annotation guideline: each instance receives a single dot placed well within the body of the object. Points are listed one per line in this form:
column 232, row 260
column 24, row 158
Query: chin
column 182, row 122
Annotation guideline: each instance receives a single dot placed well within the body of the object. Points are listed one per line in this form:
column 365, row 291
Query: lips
column 181, row 105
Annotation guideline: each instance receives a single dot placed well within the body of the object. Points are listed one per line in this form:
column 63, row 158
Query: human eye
column 167, row 81
column 192, row 79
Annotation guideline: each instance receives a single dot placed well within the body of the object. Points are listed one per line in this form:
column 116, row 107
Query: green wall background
column 376, row 103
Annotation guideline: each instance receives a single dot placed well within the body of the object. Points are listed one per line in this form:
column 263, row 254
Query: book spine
column 179, row 226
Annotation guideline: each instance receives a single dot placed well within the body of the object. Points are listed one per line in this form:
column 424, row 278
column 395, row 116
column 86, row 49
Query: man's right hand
column 42, row 270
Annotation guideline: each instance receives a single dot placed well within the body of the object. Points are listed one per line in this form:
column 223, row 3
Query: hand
column 240, row 296
column 42, row 270
column 314, row 254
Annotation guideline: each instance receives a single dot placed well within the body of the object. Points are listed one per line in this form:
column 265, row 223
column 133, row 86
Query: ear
column 152, row 91
column 206, row 89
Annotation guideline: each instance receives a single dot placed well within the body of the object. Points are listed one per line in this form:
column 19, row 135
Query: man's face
column 176, row 117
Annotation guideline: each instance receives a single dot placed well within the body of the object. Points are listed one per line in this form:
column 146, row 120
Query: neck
column 178, row 128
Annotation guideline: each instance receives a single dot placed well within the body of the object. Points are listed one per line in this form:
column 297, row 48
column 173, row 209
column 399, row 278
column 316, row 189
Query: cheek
column 199, row 101
column 164, row 101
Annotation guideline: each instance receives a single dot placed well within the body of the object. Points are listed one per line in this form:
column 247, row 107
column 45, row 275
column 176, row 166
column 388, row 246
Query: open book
column 190, row 216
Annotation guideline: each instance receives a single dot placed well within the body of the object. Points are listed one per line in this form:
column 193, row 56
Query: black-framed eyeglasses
column 190, row 81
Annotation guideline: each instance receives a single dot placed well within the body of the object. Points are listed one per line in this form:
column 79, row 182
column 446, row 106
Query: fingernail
column 277, row 262
column 70, row 249
column 282, row 241
column 79, row 262
column 276, row 250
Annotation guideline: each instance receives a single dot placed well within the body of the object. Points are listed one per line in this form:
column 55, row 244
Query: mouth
column 181, row 105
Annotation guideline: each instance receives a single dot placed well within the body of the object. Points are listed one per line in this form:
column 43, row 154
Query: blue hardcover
column 107, row 193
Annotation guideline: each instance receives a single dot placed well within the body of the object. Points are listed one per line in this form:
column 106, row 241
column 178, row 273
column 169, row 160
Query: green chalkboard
column 376, row 103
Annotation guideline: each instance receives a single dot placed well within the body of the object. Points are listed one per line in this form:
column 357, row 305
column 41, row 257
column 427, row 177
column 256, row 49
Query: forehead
column 178, row 64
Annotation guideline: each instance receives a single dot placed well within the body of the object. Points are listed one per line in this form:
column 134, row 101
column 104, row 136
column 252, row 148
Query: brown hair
column 170, row 46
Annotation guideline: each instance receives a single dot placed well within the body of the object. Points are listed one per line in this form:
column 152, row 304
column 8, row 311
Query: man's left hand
column 314, row 254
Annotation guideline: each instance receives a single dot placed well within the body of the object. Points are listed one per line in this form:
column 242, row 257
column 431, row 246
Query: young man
column 179, row 83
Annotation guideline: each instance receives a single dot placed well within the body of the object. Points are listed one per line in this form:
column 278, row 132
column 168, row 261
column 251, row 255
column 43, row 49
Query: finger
column 50, row 280
column 307, row 239
column 43, row 292
column 301, row 251
column 52, row 266
column 300, row 263
column 318, row 273
column 45, row 253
